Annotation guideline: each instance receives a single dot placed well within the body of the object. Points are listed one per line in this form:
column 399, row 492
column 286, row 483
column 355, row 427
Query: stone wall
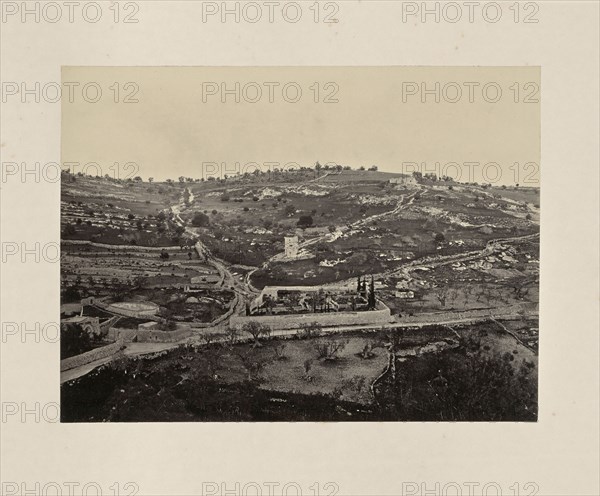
column 91, row 356
column 148, row 336
column 515, row 310
column 296, row 321
column 140, row 312
column 119, row 247
column 107, row 307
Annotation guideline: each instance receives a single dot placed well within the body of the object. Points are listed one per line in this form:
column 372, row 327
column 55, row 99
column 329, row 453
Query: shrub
column 305, row 221
column 200, row 220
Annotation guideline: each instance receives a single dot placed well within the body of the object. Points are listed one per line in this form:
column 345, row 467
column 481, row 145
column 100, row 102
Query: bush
column 328, row 349
column 200, row 220
column 305, row 221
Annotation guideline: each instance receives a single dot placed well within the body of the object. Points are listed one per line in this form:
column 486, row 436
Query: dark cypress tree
column 372, row 294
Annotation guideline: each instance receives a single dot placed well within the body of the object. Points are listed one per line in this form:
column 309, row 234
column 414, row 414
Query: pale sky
column 171, row 131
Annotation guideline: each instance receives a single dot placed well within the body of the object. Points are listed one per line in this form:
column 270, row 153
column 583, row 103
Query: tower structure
column 291, row 246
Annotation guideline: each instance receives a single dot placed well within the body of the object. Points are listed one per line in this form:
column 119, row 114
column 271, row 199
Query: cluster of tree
column 71, row 293
column 270, row 174
column 329, row 349
column 74, row 340
column 319, row 301
column 463, row 385
column 256, row 330
column 361, row 289
column 67, row 175
column 273, row 174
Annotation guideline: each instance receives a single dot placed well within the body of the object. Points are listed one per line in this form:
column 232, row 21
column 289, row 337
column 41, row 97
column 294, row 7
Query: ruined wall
column 91, row 356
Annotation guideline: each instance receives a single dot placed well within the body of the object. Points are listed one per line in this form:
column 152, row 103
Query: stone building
column 291, row 246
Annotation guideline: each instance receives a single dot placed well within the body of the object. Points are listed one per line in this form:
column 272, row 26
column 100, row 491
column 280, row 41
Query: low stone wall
column 148, row 336
column 475, row 314
column 107, row 307
column 118, row 247
column 297, row 321
column 91, row 356
column 147, row 310
column 127, row 335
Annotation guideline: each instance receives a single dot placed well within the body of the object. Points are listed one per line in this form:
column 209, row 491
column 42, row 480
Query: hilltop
column 337, row 214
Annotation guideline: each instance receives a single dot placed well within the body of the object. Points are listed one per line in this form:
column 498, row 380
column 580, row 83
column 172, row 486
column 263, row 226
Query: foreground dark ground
column 483, row 375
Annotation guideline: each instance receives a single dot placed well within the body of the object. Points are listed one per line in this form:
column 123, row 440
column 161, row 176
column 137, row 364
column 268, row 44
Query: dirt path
column 439, row 260
column 403, row 202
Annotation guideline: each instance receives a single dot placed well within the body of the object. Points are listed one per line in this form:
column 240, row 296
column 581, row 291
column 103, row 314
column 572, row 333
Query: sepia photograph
column 300, row 244
column 299, row 248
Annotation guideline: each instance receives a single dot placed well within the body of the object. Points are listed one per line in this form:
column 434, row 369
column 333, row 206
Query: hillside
column 453, row 267
column 348, row 224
